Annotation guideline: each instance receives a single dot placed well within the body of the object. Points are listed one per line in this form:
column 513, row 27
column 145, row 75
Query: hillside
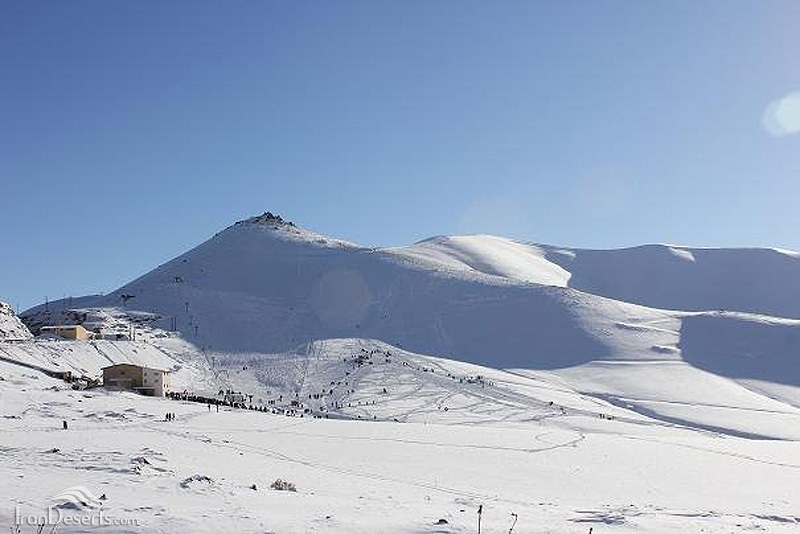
column 265, row 290
column 11, row 328
column 264, row 287
column 208, row 471
column 758, row 280
column 763, row 281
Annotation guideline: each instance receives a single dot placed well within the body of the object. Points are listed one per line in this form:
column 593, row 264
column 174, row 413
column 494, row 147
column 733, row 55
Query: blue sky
column 132, row 131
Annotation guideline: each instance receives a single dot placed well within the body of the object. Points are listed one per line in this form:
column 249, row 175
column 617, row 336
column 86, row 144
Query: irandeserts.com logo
column 77, row 506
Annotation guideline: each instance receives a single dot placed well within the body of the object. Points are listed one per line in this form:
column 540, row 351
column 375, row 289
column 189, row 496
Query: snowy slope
column 765, row 281
column 87, row 358
column 262, row 288
column 211, row 472
column 489, row 255
column 257, row 287
column 367, row 379
column 10, row 325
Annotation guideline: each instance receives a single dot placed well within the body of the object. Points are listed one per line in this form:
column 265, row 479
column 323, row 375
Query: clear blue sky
column 133, row 131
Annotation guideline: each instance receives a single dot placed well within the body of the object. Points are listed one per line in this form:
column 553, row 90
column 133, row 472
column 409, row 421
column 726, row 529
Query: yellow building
column 128, row 376
column 69, row 331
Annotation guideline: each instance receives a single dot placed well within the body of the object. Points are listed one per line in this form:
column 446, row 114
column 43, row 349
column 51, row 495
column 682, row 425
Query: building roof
column 128, row 364
column 63, row 327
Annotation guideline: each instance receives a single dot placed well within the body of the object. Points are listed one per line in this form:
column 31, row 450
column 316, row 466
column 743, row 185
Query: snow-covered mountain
column 632, row 388
column 764, row 281
column 268, row 286
column 265, row 286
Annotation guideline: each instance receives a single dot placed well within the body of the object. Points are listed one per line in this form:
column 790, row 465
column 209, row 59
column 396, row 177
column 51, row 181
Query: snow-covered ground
column 559, row 471
column 653, row 389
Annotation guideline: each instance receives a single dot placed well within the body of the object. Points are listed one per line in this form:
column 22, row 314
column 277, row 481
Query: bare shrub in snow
column 196, row 480
column 283, row 485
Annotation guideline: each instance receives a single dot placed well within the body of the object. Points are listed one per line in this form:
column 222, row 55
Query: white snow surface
column 489, row 255
column 653, row 389
column 11, row 328
column 757, row 280
column 561, row 468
